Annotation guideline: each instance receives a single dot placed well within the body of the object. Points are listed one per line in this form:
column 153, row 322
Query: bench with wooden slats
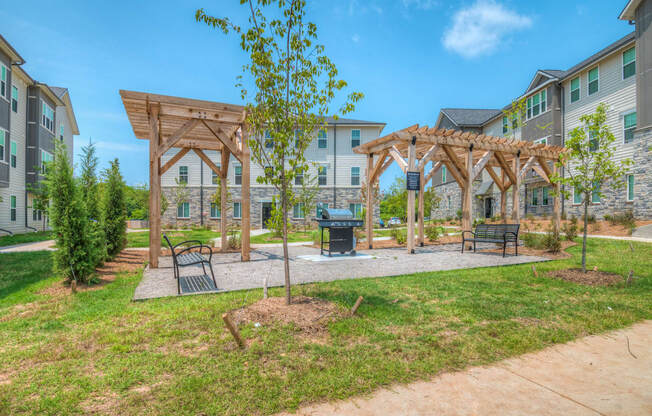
column 493, row 233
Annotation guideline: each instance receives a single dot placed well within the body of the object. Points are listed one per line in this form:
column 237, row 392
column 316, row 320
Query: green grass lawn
column 98, row 351
column 141, row 238
column 10, row 240
column 293, row 237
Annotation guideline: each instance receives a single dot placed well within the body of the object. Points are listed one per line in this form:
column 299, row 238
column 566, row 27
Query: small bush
column 449, row 219
column 458, row 214
column 530, row 217
column 626, row 219
column 590, row 219
column 400, row 236
column 552, row 241
column 478, row 221
column 535, row 241
column 234, row 241
column 570, row 229
column 434, row 232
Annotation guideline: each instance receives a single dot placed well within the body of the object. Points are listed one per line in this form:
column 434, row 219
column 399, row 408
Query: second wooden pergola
column 465, row 156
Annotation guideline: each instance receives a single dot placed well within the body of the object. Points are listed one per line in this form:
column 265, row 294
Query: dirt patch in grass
column 310, row 315
column 126, row 261
column 590, row 278
column 528, row 251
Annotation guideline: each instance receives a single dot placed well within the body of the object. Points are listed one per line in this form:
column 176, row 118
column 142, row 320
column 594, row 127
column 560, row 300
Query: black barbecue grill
column 340, row 223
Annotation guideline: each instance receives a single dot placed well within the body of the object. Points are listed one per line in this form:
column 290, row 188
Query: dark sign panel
column 412, row 181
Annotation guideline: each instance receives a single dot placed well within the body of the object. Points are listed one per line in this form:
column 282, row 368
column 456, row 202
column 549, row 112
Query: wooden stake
column 357, row 305
column 73, row 286
column 233, row 330
column 629, row 278
column 534, row 271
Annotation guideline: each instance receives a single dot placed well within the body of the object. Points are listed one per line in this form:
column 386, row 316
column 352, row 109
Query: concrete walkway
column 644, row 231
column 597, row 375
column 35, row 246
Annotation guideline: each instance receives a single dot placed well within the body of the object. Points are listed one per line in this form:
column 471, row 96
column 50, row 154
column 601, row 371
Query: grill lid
column 336, row 214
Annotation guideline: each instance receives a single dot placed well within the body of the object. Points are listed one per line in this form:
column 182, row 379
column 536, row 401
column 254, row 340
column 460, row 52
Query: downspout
column 334, row 165
column 201, row 192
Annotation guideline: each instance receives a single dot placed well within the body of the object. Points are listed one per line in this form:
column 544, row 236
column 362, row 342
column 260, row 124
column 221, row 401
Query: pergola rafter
column 188, row 124
column 466, row 155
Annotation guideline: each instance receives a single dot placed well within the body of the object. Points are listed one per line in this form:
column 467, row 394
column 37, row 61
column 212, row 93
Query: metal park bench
column 493, row 233
column 185, row 257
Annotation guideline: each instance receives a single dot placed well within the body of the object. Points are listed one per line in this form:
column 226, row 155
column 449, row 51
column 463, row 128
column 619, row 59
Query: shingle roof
column 59, row 91
column 470, row 116
column 600, row 54
column 555, row 73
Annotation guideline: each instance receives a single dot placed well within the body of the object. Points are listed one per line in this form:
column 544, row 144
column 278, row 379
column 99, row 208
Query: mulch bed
column 310, row 315
column 590, row 278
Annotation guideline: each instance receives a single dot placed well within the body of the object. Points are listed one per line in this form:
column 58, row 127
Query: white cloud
column 421, row 4
column 481, row 28
column 355, row 38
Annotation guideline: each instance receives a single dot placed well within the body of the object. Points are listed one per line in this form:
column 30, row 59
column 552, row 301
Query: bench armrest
column 201, row 250
column 470, row 232
column 186, row 242
column 512, row 233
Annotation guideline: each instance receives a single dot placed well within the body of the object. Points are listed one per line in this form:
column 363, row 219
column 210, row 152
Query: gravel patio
column 231, row 274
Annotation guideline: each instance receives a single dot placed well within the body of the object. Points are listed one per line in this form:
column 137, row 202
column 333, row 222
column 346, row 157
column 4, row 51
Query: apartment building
column 617, row 75
column 33, row 116
column 338, row 171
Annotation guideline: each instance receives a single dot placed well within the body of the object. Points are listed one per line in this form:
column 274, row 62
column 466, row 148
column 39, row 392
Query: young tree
column 180, row 194
column 91, row 196
column 41, row 197
column 294, row 83
column 216, row 198
column 589, row 164
column 306, row 194
column 115, row 210
column 72, row 258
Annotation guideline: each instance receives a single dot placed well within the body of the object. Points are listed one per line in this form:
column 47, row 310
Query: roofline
column 13, row 54
column 70, row 111
column 597, row 59
column 535, row 76
column 443, row 111
column 51, row 95
column 629, row 11
column 18, row 70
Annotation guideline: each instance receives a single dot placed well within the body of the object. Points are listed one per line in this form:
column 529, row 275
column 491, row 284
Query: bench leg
column 176, row 269
column 463, row 241
column 504, row 246
column 516, row 247
column 474, row 247
column 210, row 266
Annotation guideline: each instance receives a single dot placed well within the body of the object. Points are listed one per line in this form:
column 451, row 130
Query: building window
column 443, row 174
column 594, row 80
column 575, row 89
column 544, row 196
column 298, row 179
column 183, row 174
column 3, row 136
column 183, row 210
column 215, row 210
column 3, row 80
column 47, row 116
column 594, row 143
column 322, row 172
column 297, row 138
column 269, row 142
column 238, row 174
column 14, row 148
column 297, row 211
column 322, row 139
column 595, row 196
column 61, row 130
column 37, row 215
column 630, row 187
column 46, row 158
column 536, row 104
column 629, row 62
column 505, row 124
column 629, row 122
column 535, row 196
column 13, row 207
column 320, row 207
column 356, row 210
column 543, row 140
column 355, row 138
column 237, row 210
column 14, row 99
column 215, row 179
column 355, row 176
column 577, row 196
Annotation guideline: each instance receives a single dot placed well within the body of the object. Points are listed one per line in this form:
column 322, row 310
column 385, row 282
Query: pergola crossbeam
column 396, row 155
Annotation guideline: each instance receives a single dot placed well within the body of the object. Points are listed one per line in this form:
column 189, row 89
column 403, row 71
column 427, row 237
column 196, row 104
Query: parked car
column 394, row 221
column 381, row 223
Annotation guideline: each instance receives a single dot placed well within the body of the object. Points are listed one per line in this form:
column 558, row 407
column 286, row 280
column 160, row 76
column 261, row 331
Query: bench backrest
column 167, row 240
column 497, row 231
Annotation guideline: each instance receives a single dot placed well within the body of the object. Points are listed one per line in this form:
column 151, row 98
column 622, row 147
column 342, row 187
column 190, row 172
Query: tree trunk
column 586, row 221
column 286, row 259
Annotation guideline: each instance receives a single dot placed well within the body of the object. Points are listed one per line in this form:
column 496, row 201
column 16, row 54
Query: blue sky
column 409, row 57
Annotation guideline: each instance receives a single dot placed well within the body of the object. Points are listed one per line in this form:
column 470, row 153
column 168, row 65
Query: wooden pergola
column 190, row 125
column 465, row 156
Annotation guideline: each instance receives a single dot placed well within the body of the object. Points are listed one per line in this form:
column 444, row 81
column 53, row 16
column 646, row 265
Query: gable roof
column 600, row 54
column 629, row 11
column 469, row 117
column 64, row 96
column 59, row 91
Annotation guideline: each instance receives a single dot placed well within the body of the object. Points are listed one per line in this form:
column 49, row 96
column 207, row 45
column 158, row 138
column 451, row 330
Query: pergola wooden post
column 187, row 124
column 466, row 155
column 369, row 213
column 223, row 198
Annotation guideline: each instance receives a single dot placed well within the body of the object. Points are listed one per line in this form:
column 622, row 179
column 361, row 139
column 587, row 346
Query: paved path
column 232, row 274
column 644, row 231
column 595, row 375
column 35, row 246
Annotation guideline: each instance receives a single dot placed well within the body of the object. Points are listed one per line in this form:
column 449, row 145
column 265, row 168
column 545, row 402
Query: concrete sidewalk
column 35, row 246
column 607, row 374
